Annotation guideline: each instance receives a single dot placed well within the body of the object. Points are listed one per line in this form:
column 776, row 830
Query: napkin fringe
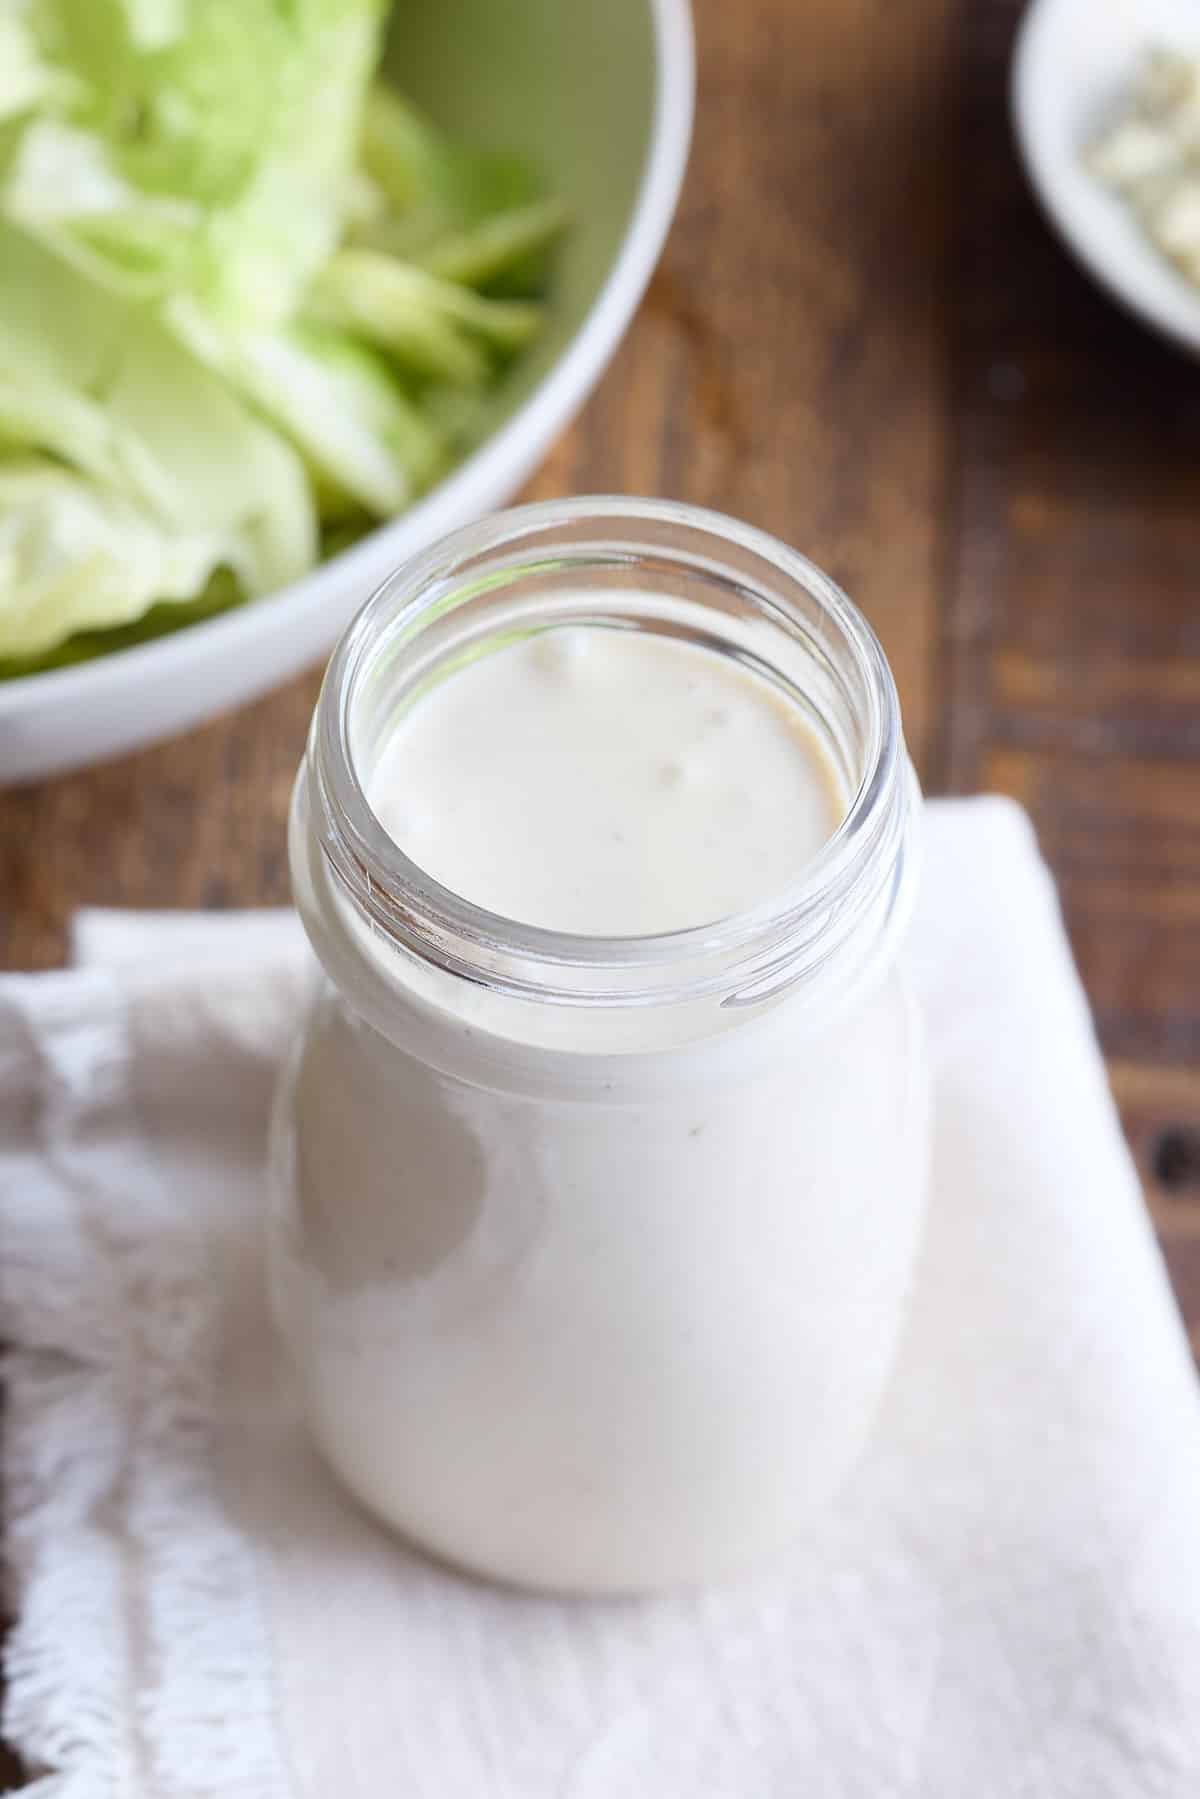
column 211, row 1720
column 140, row 1661
column 87, row 1538
column 67, row 1692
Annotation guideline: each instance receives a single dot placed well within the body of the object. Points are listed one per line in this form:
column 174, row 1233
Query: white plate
column 601, row 97
column 1074, row 61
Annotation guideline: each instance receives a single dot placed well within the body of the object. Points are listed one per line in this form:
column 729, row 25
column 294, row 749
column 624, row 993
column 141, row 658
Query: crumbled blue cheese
column 1150, row 155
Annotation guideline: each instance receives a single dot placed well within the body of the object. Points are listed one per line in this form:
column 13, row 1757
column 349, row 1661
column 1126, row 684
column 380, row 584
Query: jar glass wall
column 592, row 1253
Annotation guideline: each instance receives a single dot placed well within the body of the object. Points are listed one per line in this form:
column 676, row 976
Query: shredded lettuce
column 89, row 378
column 337, row 402
column 27, row 80
column 228, row 127
column 460, row 213
column 73, row 556
column 165, row 616
column 250, row 302
column 434, row 327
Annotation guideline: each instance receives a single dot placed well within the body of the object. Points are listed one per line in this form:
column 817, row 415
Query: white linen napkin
column 1005, row 1604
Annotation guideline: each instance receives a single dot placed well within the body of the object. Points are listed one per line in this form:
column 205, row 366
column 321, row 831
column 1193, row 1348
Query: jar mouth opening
column 646, row 546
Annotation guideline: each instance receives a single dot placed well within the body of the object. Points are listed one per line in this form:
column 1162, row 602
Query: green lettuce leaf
column 27, row 79
column 351, row 420
column 165, row 616
column 238, row 310
column 434, row 327
column 467, row 215
column 228, row 126
column 93, row 381
column 73, row 556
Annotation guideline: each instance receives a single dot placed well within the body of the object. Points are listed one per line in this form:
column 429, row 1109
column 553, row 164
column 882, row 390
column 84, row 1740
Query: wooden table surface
column 863, row 338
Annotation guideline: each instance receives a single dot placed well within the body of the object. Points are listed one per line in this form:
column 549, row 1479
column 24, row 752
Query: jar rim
column 733, row 954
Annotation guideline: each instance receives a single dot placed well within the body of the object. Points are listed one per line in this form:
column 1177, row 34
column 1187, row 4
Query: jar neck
column 649, row 566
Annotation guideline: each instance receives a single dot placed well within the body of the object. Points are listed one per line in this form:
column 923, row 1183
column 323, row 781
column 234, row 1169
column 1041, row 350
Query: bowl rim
column 540, row 418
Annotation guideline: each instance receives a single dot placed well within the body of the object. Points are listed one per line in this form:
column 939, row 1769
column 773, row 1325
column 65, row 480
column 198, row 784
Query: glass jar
column 592, row 1254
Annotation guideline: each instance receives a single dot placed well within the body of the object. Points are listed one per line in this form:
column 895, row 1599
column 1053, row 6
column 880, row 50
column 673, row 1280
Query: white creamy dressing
column 608, row 782
column 597, row 1321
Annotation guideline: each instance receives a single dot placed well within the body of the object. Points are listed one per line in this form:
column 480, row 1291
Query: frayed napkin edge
column 140, row 1659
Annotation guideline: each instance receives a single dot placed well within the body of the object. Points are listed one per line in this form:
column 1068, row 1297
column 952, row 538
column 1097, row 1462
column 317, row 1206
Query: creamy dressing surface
column 585, row 1320
column 609, row 782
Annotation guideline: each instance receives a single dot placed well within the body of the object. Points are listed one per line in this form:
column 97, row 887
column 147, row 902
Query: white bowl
column 600, row 95
column 1074, row 60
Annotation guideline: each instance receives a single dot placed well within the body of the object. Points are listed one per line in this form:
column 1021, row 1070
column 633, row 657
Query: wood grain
column 863, row 338
column 1071, row 623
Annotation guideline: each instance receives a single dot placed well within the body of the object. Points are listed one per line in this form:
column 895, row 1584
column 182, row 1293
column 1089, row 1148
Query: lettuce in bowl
column 250, row 304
